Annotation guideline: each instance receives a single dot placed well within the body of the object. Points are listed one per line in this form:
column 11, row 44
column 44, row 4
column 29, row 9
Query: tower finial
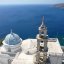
column 43, row 20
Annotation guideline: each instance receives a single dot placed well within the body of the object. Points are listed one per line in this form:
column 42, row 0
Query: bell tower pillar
column 42, row 38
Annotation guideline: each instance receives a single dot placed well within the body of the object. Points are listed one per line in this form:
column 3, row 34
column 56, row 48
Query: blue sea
column 25, row 20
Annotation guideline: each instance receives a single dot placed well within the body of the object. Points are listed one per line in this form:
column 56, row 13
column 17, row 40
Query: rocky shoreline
column 61, row 5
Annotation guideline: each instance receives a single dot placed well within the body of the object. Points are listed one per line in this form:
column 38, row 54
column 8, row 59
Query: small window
column 41, row 41
column 62, row 62
column 9, row 50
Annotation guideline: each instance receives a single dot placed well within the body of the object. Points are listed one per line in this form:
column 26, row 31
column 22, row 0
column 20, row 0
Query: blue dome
column 12, row 39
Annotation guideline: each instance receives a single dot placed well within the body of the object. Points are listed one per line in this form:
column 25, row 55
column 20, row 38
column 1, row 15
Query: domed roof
column 12, row 39
column 29, row 46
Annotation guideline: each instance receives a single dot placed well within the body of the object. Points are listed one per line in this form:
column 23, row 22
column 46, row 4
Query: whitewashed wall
column 4, row 58
column 54, row 59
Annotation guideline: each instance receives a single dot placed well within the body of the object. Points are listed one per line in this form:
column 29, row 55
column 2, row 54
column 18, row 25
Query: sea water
column 25, row 20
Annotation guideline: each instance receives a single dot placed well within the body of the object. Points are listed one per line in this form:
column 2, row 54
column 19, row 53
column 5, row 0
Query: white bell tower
column 42, row 38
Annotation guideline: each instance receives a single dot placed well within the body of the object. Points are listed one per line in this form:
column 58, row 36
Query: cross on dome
column 11, row 31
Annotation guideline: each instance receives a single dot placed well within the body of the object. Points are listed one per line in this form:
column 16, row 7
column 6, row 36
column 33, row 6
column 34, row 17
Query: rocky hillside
column 60, row 5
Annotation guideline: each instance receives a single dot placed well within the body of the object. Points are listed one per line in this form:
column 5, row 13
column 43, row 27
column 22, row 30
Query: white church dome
column 12, row 39
column 29, row 46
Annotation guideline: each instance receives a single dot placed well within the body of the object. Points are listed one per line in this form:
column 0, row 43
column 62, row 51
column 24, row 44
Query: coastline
column 60, row 5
